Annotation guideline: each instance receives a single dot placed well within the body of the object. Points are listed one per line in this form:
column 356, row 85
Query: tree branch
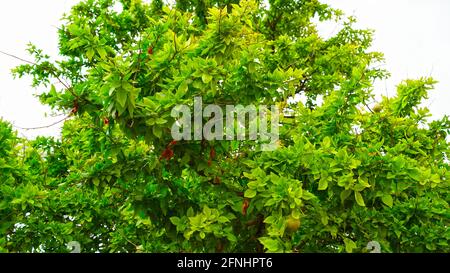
column 43, row 127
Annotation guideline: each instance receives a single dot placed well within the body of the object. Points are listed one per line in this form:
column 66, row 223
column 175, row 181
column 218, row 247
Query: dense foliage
column 345, row 172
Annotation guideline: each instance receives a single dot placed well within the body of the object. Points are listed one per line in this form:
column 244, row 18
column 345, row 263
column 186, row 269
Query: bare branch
column 44, row 127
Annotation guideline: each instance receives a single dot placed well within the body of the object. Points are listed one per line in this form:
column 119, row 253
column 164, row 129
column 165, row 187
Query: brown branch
column 367, row 106
column 18, row 58
column 44, row 127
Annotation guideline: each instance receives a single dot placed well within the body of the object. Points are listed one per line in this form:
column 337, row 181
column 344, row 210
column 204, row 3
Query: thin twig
column 18, row 58
column 123, row 235
column 367, row 106
column 44, row 127
column 48, row 69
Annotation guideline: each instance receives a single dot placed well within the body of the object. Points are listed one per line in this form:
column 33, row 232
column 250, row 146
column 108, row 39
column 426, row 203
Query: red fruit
column 106, row 121
column 209, row 162
column 173, row 142
column 245, row 206
column 212, row 153
column 167, row 154
column 75, row 107
column 150, row 51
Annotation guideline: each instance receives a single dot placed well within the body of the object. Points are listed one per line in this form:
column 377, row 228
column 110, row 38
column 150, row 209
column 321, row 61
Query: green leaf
column 269, row 220
column 53, row 90
column 414, row 174
column 190, row 212
column 197, row 84
column 175, row 220
column 387, row 200
column 206, row 78
column 435, row 178
column 349, row 245
column 121, row 97
column 307, row 195
column 183, row 88
column 102, row 52
column 90, row 53
column 96, row 181
column 271, row 244
column 157, row 131
column 161, row 121
column 223, row 219
column 354, row 163
column 252, row 67
column 359, row 199
column 326, row 143
column 207, row 211
column 323, row 183
column 363, row 182
column 344, row 195
column 250, row 193
column 295, row 214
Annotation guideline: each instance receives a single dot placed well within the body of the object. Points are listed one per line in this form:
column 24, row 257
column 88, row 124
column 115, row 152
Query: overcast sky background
column 413, row 35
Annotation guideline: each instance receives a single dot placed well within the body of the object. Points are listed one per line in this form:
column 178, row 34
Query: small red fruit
column 75, row 107
column 173, row 142
column 212, row 153
column 150, row 51
column 245, row 205
column 106, row 121
column 167, row 154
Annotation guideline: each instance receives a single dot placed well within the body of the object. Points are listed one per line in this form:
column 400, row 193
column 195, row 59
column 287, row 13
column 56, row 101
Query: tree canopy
column 345, row 171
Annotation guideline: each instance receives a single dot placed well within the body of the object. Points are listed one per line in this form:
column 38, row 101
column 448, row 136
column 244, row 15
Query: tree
column 341, row 176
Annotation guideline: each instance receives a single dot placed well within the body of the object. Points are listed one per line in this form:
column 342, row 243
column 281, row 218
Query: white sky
column 413, row 34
